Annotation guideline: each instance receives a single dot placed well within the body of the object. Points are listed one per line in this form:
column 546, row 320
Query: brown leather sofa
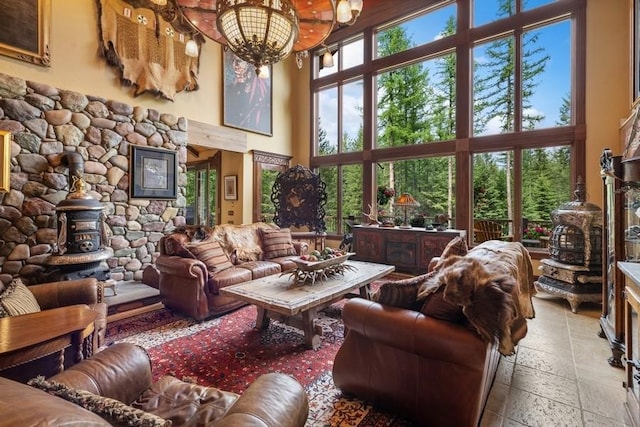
column 187, row 285
column 435, row 372
column 123, row 372
column 61, row 294
column 434, row 360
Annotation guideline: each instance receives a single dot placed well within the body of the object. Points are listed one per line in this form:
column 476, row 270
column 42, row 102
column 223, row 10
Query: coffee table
column 277, row 297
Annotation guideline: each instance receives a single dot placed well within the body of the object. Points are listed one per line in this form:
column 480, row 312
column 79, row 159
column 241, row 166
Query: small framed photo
column 231, row 187
column 153, row 173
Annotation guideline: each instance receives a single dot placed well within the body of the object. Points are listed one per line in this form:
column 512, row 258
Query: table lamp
column 406, row 201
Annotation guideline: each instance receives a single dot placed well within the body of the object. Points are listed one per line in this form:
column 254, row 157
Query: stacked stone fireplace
column 574, row 270
column 82, row 241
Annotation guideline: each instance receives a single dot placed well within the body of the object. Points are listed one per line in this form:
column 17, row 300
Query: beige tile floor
column 559, row 375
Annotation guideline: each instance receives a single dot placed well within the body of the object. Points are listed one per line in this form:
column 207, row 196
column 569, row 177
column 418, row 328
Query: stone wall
column 45, row 122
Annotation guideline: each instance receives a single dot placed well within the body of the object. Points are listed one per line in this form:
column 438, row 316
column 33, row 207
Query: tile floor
column 559, row 375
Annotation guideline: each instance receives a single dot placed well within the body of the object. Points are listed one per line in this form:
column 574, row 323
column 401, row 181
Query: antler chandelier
column 263, row 32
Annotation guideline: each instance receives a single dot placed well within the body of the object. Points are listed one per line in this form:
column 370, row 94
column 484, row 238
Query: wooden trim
column 217, row 137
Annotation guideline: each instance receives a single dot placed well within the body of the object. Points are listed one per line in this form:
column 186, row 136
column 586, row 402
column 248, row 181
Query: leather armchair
column 71, row 292
column 123, row 372
column 52, row 295
column 435, row 372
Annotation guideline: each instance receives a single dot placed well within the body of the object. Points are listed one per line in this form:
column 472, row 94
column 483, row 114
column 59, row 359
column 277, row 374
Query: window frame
column 465, row 145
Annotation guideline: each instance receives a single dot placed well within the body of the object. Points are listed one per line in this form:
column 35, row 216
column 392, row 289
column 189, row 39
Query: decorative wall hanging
column 246, row 98
column 25, row 30
column 231, row 187
column 153, row 173
column 147, row 43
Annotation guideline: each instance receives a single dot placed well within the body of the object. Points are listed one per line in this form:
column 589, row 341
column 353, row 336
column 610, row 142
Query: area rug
column 227, row 352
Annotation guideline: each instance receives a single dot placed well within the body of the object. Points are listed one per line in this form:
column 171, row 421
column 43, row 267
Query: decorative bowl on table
column 316, row 268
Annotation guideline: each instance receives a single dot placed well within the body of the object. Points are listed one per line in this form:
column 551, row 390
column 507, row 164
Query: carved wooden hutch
column 408, row 249
column 613, row 250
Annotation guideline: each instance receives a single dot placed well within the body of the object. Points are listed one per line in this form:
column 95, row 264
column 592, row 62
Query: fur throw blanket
column 493, row 284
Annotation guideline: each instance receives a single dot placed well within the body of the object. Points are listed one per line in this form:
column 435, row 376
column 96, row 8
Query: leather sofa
column 428, row 347
column 435, row 372
column 123, row 372
column 51, row 295
column 188, row 285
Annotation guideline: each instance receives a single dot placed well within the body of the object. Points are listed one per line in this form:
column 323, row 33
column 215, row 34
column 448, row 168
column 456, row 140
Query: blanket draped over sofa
column 428, row 347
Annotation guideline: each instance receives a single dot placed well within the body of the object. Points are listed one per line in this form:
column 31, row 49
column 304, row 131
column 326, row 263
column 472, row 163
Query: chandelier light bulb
column 356, row 5
column 263, row 72
column 327, row 59
column 343, row 12
column 191, row 48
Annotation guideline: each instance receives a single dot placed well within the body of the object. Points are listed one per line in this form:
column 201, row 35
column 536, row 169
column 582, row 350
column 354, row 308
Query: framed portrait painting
column 246, row 97
column 25, row 30
column 153, row 173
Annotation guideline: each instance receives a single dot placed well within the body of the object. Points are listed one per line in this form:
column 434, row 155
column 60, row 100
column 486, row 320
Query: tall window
column 476, row 127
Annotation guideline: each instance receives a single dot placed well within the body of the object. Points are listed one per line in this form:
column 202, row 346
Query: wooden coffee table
column 277, row 297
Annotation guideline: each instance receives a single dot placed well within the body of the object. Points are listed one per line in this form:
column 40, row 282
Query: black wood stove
column 81, row 248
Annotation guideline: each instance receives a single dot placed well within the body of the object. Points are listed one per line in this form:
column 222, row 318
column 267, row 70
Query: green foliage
column 417, row 107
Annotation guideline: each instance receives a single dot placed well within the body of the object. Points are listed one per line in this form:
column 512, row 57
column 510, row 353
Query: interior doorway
column 203, row 192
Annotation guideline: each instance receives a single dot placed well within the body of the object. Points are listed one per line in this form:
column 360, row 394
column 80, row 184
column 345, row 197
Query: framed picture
column 246, row 97
column 153, row 173
column 231, row 187
column 25, row 30
column 5, row 160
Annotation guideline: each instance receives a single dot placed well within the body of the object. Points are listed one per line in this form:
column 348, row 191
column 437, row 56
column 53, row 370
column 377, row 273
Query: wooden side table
column 29, row 337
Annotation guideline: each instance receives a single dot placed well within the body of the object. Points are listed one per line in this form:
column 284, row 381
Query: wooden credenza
column 408, row 249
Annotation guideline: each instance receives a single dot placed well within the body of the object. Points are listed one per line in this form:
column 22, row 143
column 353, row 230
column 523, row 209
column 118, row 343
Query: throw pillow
column 174, row 244
column 211, row 254
column 401, row 293
column 436, row 306
column 17, row 299
column 456, row 247
column 113, row 411
column 276, row 243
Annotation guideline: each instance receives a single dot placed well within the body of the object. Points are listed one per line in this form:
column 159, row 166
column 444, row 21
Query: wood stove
column 81, row 240
column 574, row 271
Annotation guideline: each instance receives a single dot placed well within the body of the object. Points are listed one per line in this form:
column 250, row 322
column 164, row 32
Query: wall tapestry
column 146, row 42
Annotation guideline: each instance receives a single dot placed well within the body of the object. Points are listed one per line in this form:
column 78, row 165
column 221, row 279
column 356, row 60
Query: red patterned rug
column 227, row 352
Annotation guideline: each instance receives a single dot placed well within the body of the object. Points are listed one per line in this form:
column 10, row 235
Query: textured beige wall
column 77, row 65
column 609, row 89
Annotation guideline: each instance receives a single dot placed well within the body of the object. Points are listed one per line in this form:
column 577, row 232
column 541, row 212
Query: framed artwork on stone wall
column 153, row 173
column 25, row 30
column 5, row 160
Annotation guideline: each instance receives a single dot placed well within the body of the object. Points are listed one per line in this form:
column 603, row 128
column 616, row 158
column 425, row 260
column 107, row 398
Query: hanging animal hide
column 148, row 50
